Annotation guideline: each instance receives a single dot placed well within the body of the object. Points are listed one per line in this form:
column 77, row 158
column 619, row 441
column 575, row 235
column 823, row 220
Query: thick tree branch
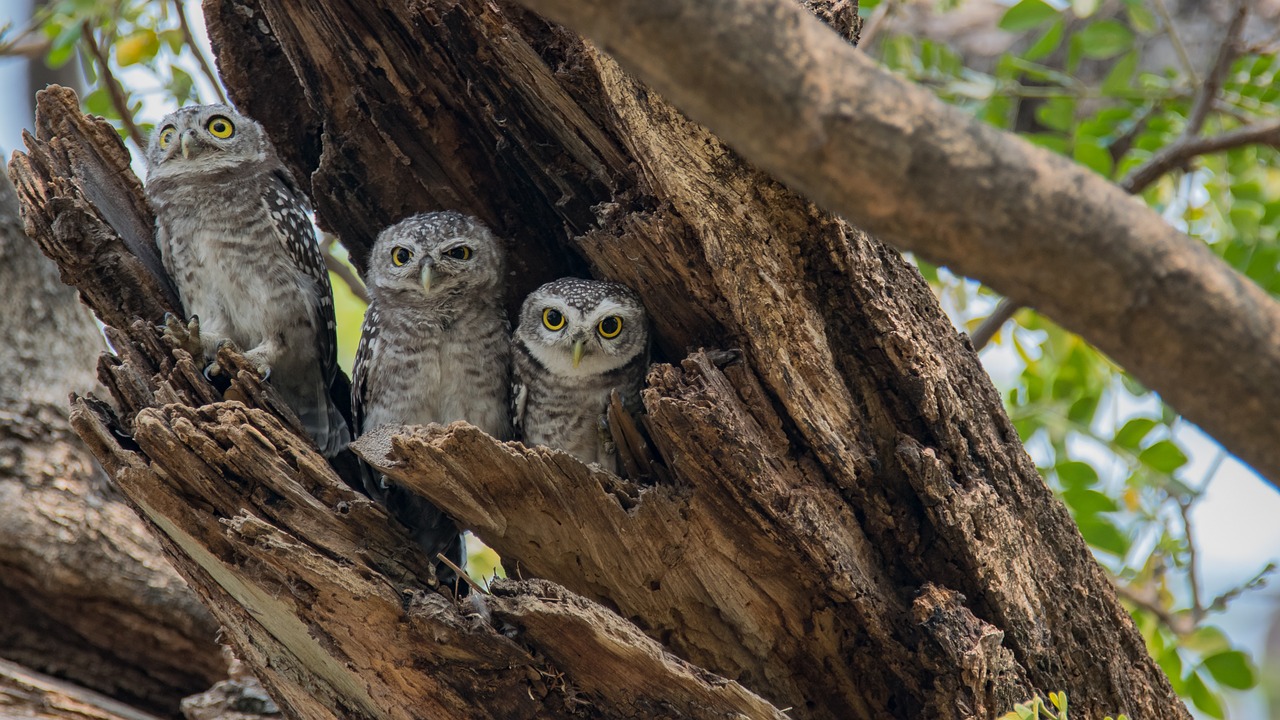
column 796, row 99
column 31, row 696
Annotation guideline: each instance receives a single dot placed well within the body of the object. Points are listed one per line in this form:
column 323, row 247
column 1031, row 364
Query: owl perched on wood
column 435, row 348
column 233, row 233
column 577, row 341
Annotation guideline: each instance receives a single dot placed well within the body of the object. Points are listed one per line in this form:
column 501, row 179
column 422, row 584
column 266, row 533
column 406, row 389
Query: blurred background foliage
column 1108, row 83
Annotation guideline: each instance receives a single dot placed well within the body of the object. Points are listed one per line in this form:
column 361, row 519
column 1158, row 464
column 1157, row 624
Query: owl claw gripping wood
column 233, row 232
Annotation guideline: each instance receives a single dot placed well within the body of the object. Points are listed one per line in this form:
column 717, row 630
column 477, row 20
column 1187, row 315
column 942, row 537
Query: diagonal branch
column 1183, row 150
column 114, row 89
column 790, row 95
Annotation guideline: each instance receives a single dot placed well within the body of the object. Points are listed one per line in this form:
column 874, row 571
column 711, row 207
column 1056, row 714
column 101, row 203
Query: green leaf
column 1164, row 456
column 1232, row 669
column 1075, row 474
column 1090, row 153
column 1207, row 640
column 1171, row 662
column 1057, row 113
column 1141, row 18
column 1026, row 15
column 1104, row 535
column 1130, row 436
column 1204, row 699
column 1120, row 78
column 1088, row 502
column 1047, row 43
column 1104, row 39
column 140, row 46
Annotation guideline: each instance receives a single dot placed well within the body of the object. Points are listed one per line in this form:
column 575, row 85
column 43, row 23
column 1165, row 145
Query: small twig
column 993, row 323
column 1180, row 625
column 1220, row 603
column 1178, row 47
column 341, row 269
column 875, row 22
column 195, row 50
column 28, row 44
column 1227, row 52
column 1193, row 576
column 114, row 89
column 1178, row 153
column 461, row 575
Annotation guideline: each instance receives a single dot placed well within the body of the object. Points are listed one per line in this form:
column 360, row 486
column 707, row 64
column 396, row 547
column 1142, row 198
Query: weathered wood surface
column 931, row 178
column 85, row 592
column 876, row 541
column 27, row 695
column 323, row 597
column 866, row 438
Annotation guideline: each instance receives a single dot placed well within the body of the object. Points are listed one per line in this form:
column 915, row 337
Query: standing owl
column 435, row 348
column 577, row 341
column 233, row 233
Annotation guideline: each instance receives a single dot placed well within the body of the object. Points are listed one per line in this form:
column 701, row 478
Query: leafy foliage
column 1112, row 451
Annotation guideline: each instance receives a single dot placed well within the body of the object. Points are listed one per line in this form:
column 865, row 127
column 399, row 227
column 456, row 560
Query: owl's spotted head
column 436, row 259
column 580, row 327
column 202, row 139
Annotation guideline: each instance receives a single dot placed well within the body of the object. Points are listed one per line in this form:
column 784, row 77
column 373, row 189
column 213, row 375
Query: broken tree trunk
column 851, row 527
column 323, row 598
column 858, row 450
column 85, row 592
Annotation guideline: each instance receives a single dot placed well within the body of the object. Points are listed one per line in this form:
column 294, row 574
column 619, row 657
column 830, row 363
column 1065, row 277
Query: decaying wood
column 847, row 524
column 325, row 599
column 26, row 695
column 860, row 433
column 85, row 592
column 321, row 595
column 797, row 100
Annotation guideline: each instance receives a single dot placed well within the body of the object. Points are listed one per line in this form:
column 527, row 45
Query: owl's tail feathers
column 432, row 530
column 324, row 422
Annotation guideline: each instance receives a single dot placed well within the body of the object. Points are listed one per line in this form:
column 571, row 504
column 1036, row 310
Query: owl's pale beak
column 427, row 277
column 578, row 347
column 184, row 141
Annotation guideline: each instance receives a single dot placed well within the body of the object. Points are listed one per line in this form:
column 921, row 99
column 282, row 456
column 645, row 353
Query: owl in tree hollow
column 233, row 232
column 435, row 348
column 576, row 342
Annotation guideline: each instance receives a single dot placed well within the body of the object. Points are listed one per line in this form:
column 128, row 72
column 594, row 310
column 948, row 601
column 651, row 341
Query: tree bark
column 850, row 529
column 796, row 99
column 25, row 695
column 85, row 592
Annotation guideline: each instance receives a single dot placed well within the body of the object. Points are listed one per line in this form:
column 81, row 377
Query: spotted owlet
column 233, row 233
column 576, row 342
column 435, row 348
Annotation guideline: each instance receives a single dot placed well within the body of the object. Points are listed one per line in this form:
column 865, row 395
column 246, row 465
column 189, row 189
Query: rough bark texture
column 794, row 98
column 25, row 695
column 851, row 528
column 85, row 592
column 866, row 440
column 324, row 599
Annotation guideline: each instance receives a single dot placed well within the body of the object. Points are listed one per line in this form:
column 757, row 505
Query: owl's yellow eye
column 401, row 255
column 166, row 136
column 552, row 318
column 610, row 327
column 462, row 252
column 220, row 127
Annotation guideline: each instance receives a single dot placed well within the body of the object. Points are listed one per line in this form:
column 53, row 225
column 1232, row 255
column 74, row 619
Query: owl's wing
column 519, row 395
column 287, row 207
column 360, row 372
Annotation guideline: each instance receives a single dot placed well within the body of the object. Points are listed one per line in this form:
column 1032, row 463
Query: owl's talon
column 182, row 336
column 212, row 370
